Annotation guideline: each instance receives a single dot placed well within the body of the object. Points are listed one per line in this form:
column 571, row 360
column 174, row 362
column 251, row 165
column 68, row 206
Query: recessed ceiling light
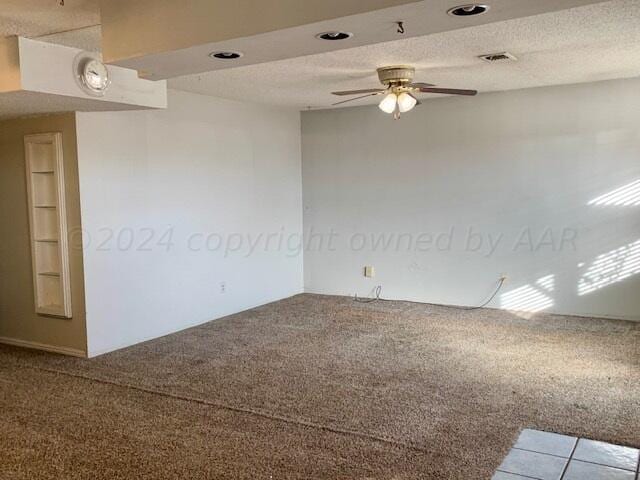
column 468, row 10
column 334, row 35
column 225, row 55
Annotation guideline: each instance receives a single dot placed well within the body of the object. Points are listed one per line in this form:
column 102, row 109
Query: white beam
column 39, row 77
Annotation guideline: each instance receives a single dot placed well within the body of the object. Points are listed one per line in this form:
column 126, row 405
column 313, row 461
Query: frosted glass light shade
column 406, row 102
column 388, row 103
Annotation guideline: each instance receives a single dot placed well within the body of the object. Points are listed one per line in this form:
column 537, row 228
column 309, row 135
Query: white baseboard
column 92, row 353
column 43, row 346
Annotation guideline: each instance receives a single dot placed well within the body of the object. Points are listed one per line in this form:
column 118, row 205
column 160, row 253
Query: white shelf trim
column 48, row 224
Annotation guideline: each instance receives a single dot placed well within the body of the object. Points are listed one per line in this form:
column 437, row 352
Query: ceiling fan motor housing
column 396, row 75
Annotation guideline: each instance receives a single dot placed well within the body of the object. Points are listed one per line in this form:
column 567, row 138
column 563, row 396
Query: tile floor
column 549, row 456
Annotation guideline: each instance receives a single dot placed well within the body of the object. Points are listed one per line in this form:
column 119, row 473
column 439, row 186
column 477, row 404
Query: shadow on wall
column 605, row 269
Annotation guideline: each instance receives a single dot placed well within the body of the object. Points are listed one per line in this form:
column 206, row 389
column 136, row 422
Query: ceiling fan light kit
column 400, row 90
column 399, row 98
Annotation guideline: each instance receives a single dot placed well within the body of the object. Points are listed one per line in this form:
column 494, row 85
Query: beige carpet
column 320, row 387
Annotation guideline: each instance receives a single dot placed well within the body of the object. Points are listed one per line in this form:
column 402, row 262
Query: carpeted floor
column 320, row 387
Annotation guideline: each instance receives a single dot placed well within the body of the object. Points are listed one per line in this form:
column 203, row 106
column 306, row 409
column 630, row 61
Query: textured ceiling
column 596, row 42
column 87, row 38
column 583, row 44
column 33, row 18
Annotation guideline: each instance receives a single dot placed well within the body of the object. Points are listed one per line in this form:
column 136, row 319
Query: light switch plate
column 369, row 272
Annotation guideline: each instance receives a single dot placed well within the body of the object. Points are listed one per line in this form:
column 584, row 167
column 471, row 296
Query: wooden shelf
column 48, row 224
column 49, row 274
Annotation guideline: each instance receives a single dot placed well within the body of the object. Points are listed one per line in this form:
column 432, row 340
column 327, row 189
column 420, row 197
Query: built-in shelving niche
column 47, row 220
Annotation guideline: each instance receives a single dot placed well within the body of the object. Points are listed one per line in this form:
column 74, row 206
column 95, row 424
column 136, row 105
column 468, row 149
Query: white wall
column 203, row 167
column 505, row 164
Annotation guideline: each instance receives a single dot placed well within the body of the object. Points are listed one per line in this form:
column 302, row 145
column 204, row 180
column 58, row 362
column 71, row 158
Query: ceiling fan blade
column 357, row 92
column 356, row 98
column 421, row 85
column 450, row 91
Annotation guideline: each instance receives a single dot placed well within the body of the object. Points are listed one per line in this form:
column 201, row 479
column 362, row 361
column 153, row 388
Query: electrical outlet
column 369, row 272
column 223, row 287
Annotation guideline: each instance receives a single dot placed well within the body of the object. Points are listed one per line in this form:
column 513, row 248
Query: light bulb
column 406, row 102
column 388, row 103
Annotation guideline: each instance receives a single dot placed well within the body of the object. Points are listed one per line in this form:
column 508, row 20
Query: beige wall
column 19, row 324
column 10, row 60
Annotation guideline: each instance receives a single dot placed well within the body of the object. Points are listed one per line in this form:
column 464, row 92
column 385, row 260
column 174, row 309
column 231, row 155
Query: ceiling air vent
column 498, row 57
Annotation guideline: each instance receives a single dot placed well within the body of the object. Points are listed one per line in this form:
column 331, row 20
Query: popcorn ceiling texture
column 88, row 38
column 321, row 387
column 584, row 44
column 32, row 18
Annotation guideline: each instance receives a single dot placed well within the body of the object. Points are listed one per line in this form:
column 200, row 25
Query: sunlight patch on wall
column 530, row 298
column 611, row 267
column 547, row 283
column 627, row 195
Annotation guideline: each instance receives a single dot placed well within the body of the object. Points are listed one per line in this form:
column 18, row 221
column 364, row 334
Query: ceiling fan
column 400, row 90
